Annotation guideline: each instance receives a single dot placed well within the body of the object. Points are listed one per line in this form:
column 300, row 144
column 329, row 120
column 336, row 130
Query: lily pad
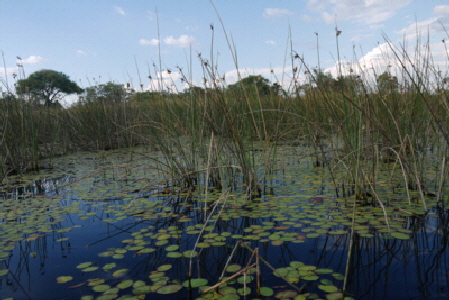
column 169, row 289
column 64, row 279
column 196, row 282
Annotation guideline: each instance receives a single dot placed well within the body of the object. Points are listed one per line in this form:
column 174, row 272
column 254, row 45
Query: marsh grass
column 215, row 132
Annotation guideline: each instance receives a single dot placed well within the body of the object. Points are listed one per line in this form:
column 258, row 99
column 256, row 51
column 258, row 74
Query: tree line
column 48, row 87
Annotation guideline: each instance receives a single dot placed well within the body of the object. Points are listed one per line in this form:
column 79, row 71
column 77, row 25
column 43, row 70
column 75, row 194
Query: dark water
column 107, row 212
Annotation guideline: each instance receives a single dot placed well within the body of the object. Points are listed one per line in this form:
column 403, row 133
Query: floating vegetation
column 208, row 244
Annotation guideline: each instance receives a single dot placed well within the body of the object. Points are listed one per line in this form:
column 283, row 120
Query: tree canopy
column 387, row 83
column 48, row 86
column 107, row 93
column 252, row 83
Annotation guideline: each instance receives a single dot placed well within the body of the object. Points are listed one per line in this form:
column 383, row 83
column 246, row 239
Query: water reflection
column 50, row 225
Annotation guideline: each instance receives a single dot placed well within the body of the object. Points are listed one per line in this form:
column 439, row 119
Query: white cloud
column 441, row 10
column 33, row 60
column 389, row 57
column 271, row 42
column 169, row 81
column 276, row 12
column 81, row 52
column 182, row 42
column 119, row 10
column 153, row 42
column 360, row 11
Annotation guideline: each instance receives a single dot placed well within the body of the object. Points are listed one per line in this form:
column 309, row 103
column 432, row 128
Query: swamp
column 336, row 189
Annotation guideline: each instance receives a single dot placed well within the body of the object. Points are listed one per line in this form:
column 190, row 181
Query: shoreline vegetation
column 351, row 120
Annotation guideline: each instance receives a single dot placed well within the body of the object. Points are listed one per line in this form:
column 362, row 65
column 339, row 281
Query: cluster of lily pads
column 184, row 226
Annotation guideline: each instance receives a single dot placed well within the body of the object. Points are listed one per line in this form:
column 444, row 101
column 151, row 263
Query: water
column 110, row 221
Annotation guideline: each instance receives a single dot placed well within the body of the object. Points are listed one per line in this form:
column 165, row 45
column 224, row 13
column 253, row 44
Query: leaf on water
column 3, row 272
column 169, row 289
column 84, row 265
column 164, row 268
column 287, row 294
column 100, row 288
column 233, row 268
column 172, row 248
column 335, row 296
column 328, row 288
column 244, row 291
column 95, row 281
column 64, row 279
column 108, row 296
column 125, row 284
column 90, row 269
column 266, row 291
column 120, row 272
column 400, row 235
column 174, row 254
column 194, row 283
column 109, row 266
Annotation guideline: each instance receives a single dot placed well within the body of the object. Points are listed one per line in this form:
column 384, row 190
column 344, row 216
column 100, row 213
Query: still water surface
column 113, row 226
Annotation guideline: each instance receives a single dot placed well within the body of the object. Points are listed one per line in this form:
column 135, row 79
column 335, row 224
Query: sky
column 94, row 42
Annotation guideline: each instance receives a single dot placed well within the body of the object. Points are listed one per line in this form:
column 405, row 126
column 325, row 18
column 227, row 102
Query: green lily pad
column 328, row 288
column 109, row 266
column 266, row 291
column 164, row 268
column 120, row 272
column 169, row 289
column 84, row 265
column 174, row 254
column 194, row 283
column 125, row 284
column 233, row 268
column 287, row 294
column 64, row 279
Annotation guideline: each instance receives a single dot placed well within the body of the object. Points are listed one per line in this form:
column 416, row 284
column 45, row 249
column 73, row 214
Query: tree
column 48, row 86
column 107, row 93
column 251, row 83
column 387, row 83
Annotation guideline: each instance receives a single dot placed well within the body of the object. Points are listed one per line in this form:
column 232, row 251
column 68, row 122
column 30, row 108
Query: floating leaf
column 244, row 291
column 169, row 289
column 125, row 284
column 64, row 279
column 400, row 235
column 335, row 296
column 172, row 248
column 328, row 288
column 287, row 294
column 119, row 273
column 109, row 266
column 84, row 265
column 95, row 281
column 174, row 254
column 266, row 291
column 233, row 268
column 142, row 290
column 90, row 269
column 3, row 272
column 164, row 268
column 194, row 283
column 108, row 296
column 101, row 288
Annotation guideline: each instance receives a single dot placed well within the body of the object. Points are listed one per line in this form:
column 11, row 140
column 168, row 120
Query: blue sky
column 103, row 40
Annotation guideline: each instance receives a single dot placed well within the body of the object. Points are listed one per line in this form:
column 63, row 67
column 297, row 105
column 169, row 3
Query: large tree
column 252, row 83
column 108, row 93
column 48, row 86
column 387, row 83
